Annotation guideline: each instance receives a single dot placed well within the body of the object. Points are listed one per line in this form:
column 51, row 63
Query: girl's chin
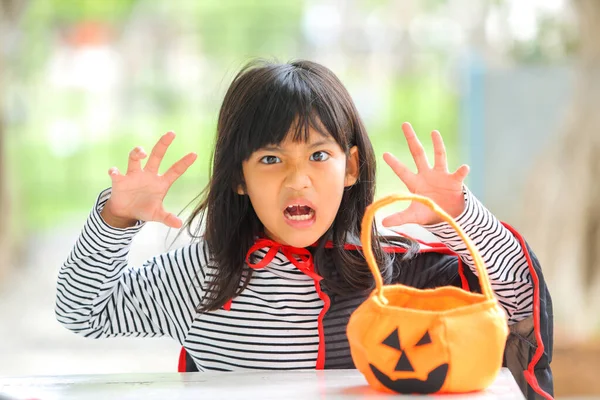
column 300, row 239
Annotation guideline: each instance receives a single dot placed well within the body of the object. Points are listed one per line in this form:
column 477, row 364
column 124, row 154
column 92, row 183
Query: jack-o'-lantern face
column 420, row 366
column 435, row 376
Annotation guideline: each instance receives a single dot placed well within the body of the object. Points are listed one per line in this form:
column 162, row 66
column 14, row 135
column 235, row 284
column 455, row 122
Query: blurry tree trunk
column 562, row 203
column 10, row 10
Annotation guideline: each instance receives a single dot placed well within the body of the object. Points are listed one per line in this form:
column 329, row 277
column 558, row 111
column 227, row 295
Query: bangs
column 285, row 100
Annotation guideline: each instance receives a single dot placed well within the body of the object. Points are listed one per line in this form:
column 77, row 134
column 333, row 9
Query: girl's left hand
column 441, row 186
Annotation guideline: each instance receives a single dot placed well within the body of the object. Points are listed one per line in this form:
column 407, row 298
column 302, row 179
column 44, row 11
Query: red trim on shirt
column 443, row 249
column 306, row 265
column 260, row 244
column 539, row 351
column 435, row 247
column 463, row 278
column 182, row 365
column 302, row 259
column 430, row 244
column 321, row 329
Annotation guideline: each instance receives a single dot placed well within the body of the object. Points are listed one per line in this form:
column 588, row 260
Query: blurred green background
column 90, row 81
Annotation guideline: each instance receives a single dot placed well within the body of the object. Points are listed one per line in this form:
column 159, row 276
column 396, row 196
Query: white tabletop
column 263, row 385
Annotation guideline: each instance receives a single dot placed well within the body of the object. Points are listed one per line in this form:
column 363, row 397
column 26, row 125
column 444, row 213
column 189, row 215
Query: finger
column 115, row 175
column 180, row 167
column 461, row 173
column 135, row 155
column 158, row 152
column 399, row 218
column 405, row 174
column 415, row 147
column 440, row 162
column 170, row 219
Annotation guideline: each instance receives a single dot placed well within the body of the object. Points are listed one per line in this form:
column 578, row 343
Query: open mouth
column 298, row 212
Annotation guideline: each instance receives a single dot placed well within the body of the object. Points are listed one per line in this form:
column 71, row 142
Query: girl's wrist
column 115, row 221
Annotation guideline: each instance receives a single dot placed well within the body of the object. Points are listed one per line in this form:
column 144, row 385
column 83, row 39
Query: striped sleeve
column 100, row 295
column 502, row 253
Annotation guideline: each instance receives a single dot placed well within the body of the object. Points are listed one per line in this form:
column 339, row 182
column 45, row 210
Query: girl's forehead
column 313, row 138
column 312, row 135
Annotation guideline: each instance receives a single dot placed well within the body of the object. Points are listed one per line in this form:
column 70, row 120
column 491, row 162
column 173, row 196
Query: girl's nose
column 297, row 179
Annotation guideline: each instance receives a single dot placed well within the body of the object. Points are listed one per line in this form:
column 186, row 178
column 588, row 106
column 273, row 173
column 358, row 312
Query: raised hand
column 435, row 182
column 139, row 194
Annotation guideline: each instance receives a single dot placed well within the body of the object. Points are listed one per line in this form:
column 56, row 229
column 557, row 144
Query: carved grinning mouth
column 434, row 382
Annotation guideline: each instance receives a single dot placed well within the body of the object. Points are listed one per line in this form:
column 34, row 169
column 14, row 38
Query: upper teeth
column 296, row 205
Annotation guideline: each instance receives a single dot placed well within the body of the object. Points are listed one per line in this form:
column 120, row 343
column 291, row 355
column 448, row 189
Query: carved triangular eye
column 393, row 340
column 424, row 340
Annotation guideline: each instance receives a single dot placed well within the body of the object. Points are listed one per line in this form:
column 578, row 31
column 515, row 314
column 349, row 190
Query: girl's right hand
column 139, row 194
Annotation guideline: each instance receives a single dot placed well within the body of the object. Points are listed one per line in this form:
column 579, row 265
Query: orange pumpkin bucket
column 443, row 340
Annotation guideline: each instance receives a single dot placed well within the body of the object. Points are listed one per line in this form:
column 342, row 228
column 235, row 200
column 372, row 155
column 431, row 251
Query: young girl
column 276, row 268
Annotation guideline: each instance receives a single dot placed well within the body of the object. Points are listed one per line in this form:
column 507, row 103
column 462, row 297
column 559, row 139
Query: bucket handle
column 367, row 222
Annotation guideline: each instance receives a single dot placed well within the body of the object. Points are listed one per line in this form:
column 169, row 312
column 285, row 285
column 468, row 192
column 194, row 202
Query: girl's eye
column 319, row 156
column 270, row 160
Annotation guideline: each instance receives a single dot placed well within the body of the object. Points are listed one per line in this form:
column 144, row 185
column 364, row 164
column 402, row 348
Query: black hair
column 265, row 103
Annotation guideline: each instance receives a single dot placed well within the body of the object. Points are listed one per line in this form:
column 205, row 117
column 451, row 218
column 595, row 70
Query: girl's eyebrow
column 310, row 146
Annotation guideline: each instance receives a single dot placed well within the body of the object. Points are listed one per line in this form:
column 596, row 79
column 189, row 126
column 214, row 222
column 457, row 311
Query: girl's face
column 296, row 188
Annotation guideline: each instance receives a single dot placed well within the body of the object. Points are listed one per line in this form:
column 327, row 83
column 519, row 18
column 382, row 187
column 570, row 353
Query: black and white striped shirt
column 275, row 322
